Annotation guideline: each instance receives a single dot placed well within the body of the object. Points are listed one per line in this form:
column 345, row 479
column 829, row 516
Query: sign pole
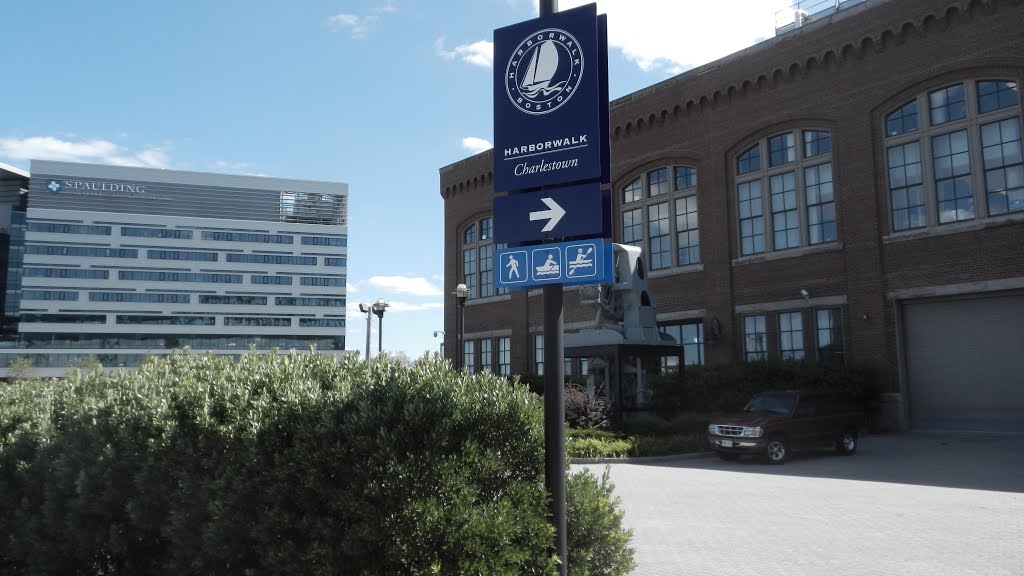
column 554, row 398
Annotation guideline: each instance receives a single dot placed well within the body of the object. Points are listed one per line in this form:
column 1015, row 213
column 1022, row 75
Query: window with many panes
column 754, row 338
column 538, row 354
column 791, row 335
column 953, row 154
column 829, row 338
column 659, row 214
column 789, row 201
column 486, row 360
column 478, row 259
column 469, row 355
column 504, row 356
column 690, row 337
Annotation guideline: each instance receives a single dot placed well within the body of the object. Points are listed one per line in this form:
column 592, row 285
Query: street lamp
column 441, row 332
column 368, row 310
column 461, row 293
column 378, row 309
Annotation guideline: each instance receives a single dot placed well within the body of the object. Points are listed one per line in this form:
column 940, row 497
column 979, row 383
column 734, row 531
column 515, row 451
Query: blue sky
column 379, row 94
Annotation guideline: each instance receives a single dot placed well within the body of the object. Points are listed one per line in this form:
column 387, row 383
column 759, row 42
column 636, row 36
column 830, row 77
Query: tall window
column 486, row 360
column 468, row 355
column 504, row 356
column 829, row 327
column 791, row 335
column 754, row 340
column 690, row 338
column 538, row 354
column 659, row 214
column 478, row 259
column 798, row 181
column 964, row 163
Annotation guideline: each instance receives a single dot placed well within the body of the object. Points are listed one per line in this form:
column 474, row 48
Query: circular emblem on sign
column 53, row 186
column 544, row 71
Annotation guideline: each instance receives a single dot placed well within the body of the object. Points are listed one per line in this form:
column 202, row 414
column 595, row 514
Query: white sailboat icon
column 542, row 68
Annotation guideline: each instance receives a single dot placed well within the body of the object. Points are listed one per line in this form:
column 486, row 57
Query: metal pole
column 554, row 417
column 554, row 398
column 380, row 333
column 457, row 353
column 369, row 328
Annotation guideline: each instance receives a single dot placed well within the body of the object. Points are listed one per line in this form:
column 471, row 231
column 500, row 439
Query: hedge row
column 728, row 387
column 287, row 464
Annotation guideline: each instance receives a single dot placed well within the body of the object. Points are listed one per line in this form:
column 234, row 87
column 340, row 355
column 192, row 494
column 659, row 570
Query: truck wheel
column 777, row 450
column 847, row 443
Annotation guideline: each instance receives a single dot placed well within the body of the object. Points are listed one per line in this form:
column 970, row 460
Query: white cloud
column 358, row 26
column 413, row 285
column 95, row 150
column 479, row 53
column 476, row 145
column 670, row 36
column 398, row 307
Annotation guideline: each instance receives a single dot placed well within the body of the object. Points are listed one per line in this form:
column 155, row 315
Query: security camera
column 805, row 293
column 364, row 307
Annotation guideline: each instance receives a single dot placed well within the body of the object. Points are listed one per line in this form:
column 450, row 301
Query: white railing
column 806, row 11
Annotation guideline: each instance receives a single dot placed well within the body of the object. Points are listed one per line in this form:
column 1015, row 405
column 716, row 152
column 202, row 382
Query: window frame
column 791, row 352
column 759, row 324
column 807, row 154
column 925, row 136
column 476, row 268
column 636, row 224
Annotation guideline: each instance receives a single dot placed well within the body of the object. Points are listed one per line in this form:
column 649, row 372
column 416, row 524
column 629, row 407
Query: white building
column 122, row 262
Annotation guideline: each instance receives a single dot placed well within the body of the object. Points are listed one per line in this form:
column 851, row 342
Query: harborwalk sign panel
column 547, row 101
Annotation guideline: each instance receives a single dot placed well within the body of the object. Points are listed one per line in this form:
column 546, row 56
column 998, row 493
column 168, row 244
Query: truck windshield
column 774, row 403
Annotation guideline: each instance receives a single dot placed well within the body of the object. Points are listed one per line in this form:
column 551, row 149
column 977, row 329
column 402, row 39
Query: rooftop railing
column 806, row 11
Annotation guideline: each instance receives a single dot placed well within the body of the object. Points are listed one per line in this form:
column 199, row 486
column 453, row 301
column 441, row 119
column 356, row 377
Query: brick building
column 851, row 190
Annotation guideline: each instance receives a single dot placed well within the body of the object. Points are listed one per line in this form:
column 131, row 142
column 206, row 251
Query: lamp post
column 441, row 332
column 368, row 310
column 461, row 293
column 378, row 308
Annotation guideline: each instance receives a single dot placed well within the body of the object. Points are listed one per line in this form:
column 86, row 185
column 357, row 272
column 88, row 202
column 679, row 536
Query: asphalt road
column 908, row 504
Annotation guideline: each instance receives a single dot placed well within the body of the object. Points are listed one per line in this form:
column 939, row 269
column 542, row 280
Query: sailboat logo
column 544, row 71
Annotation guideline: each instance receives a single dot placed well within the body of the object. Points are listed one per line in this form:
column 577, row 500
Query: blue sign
column 569, row 263
column 548, row 105
column 582, row 211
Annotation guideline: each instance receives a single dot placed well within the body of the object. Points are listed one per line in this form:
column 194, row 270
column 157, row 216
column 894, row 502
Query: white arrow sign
column 554, row 212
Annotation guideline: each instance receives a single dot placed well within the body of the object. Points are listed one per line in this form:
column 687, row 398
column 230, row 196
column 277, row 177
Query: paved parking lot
column 908, row 504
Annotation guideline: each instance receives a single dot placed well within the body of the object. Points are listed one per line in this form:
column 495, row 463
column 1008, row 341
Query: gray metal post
column 554, row 398
column 369, row 328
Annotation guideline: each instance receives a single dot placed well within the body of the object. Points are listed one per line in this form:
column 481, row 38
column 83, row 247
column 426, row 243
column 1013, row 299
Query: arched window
column 790, row 202
column 659, row 214
column 965, row 162
column 478, row 259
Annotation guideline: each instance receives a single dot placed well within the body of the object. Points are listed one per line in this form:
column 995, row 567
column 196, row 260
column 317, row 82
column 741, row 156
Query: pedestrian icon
column 513, row 267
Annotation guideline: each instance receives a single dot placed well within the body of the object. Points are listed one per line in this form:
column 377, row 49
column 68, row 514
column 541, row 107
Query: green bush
column 601, row 447
column 644, row 423
column 728, row 387
column 586, row 409
column 286, row 464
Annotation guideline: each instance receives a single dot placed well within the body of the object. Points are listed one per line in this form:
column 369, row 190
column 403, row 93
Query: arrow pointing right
column 554, row 212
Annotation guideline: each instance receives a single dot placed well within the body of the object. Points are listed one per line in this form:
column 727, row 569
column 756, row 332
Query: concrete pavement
column 908, row 504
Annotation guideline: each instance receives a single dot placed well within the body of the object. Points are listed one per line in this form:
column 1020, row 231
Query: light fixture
column 712, row 331
column 461, row 293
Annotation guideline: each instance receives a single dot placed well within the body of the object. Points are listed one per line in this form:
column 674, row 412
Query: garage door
column 965, row 363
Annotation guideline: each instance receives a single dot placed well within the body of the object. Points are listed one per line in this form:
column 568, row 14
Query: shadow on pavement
column 952, row 460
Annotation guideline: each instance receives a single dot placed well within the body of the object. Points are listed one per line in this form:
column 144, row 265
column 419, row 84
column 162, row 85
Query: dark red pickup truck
column 775, row 423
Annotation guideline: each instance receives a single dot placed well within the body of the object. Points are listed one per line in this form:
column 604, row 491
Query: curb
column 641, row 459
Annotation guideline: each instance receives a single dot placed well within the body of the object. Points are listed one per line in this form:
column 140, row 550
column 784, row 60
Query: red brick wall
column 843, row 75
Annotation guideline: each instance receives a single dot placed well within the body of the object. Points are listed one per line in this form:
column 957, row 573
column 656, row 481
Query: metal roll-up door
column 965, row 363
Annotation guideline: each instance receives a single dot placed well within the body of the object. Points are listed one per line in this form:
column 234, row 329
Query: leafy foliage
column 286, row 464
column 584, row 408
column 728, row 387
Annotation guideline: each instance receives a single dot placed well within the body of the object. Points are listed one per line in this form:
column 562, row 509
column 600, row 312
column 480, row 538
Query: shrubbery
column 728, row 387
column 287, row 464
